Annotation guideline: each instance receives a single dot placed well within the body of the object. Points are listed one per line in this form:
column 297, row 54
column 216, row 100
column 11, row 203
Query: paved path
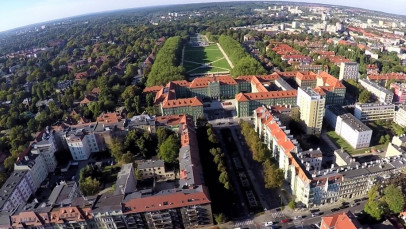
column 225, row 55
column 328, row 141
column 183, row 55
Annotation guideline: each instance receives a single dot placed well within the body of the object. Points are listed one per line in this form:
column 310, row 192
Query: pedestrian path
column 277, row 215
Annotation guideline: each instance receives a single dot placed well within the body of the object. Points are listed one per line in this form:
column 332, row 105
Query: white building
column 16, row 191
column 311, row 106
column 81, row 144
column 382, row 94
column 400, row 117
column 374, row 111
column 349, row 71
column 46, row 149
column 352, row 130
column 295, row 24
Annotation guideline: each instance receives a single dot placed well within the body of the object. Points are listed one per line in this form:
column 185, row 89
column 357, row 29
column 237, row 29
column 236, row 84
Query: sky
column 16, row 13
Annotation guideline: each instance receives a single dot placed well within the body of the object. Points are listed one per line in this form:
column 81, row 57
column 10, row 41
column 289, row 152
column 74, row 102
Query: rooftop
column 354, row 123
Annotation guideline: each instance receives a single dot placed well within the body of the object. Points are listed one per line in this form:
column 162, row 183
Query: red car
column 285, row 221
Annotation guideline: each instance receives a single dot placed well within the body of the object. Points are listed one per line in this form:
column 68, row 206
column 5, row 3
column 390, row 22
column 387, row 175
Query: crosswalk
column 243, row 223
column 277, row 215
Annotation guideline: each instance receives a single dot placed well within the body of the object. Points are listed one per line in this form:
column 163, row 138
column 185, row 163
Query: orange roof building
column 341, row 220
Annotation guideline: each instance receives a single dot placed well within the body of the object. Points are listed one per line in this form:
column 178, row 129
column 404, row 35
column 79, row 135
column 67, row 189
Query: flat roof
column 354, row 123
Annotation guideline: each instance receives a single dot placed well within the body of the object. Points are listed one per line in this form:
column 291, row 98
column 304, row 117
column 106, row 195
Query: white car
column 270, row 223
column 298, row 217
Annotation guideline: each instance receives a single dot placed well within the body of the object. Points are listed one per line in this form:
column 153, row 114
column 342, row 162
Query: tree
column 9, row 162
column 162, row 134
column 116, row 149
column 374, row 207
column 169, row 150
column 364, row 96
column 127, row 158
column 90, row 186
column 273, row 176
column 394, row 198
column 220, row 218
column 292, row 204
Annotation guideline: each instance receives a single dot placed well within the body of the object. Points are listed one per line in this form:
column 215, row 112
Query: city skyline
column 16, row 14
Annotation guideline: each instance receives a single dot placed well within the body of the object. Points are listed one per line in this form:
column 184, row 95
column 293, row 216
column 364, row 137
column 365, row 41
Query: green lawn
column 211, row 55
column 338, row 141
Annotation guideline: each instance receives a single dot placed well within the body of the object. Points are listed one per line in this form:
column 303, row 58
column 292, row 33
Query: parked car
column 335, row 209
column 285, row 221
column 270, row 223
column 298, row 217
column 315, row 214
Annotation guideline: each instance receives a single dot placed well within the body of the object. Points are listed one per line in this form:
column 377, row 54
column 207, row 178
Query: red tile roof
column 204, row 81
column 64, row 214
column 182, row 102
column 389, row 76
column 329, row 80
column 171, row 120
column 109, row 118
column 153, row 89
column 265, row 95
column 166, row 201
column 341, row 220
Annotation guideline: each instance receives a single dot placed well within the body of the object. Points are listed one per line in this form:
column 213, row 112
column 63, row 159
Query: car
column 343, row 206
column 314, row 210
column 335, row 209
column 364, row 198
column 298, row 217
column 270, row 223
column 357, row 200
column 354, row 204
column 315, row 214
column 285, row 221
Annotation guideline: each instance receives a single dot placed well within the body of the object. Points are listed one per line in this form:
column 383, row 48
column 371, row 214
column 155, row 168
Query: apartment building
column 312, row 185
column 126, row 182
column 155, row 169
column 331, row 88
column 349, row 71
column 399, row 90
column 351, row 129
column 400, row 116
column 79, row 144
column 35, row 165
column 374, row 111
column 311, row 106
column 16, row 190
column 46, row 148
column 372, row 69
column 383, row 79
column 382, row 94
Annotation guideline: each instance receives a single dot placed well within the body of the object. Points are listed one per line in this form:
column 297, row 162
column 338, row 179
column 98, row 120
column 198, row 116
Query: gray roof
column 150, row 164
column 122, row 178
column 107, row 203
column 10, row 185
column 5, row 220
column 376, row 86
column 353, row 172
column 60, row 194
column 354, row 123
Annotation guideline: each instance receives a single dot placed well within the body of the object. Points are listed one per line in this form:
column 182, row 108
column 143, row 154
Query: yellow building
column 311, row 106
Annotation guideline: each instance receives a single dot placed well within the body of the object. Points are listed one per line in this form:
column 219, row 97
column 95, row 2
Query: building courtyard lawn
column 199, row 60
column 341, row 143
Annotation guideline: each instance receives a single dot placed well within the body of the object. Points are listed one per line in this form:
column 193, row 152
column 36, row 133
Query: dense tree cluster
column 391, row 200
column 136, row 144
column 273, row 176
column 166, row 66
column 244, row 63
column 218, row 157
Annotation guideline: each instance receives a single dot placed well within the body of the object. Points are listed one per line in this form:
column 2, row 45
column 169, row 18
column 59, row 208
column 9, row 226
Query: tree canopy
column 166, row 66
column 244, row 63
column 169, row 150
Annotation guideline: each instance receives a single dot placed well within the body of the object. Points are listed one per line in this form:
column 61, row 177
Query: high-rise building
column 311, row 106
column 349, row 71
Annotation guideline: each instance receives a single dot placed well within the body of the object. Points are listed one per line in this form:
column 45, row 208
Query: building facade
column 382, row 94
column 349, row 71
column 399, row 90
column 373, row 111
column 311, row 106
column 400, row 117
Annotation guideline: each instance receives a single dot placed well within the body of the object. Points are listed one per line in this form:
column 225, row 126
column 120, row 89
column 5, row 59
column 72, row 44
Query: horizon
column 38, row 11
